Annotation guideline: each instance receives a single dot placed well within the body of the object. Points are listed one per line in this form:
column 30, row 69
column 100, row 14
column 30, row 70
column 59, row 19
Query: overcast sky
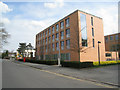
column 23, row 20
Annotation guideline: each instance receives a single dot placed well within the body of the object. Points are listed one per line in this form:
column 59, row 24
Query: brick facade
column 87, row 53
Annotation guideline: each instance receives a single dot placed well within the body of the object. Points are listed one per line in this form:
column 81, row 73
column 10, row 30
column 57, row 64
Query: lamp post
column 99, row 52
column 59, row 64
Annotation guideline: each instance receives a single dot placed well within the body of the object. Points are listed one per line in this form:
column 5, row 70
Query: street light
column 99, row 52
column 59, row 64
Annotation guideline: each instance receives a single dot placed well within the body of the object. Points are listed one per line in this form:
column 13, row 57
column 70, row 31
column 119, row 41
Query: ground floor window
column 65, row 56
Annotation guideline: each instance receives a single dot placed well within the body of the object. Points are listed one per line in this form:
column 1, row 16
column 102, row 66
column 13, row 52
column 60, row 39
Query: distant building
column 112, row 45
column 75, row 36
column 26, row 51
column 29, row 51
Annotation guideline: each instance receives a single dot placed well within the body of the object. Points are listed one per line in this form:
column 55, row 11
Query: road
column 15, row 75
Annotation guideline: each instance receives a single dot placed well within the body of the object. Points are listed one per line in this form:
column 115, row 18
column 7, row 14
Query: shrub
column 48, row 62
column 76, row 64
column 106, row 63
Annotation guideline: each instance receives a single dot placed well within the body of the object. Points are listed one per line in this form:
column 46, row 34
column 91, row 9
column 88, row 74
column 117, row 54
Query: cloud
column 109, row 14
column 110, row 19
column 5, row 20
column 4, row 8
column 23, row 30
column 55, row 4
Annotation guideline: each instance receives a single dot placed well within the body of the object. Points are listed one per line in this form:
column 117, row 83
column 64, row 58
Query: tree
column 22, row 48
column 3, row 35
column 77, row 42
column 5, row 54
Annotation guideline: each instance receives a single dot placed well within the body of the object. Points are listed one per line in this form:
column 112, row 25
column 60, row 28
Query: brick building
column 112, row 45
column 75, row 37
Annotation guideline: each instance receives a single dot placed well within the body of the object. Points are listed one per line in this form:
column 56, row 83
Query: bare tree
column 77, row 44
column 3, row 35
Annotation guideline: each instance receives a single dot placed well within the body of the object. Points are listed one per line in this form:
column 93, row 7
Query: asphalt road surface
column 16, row 75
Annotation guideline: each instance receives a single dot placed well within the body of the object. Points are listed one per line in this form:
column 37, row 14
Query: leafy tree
column 5, row 54
column 22, row 48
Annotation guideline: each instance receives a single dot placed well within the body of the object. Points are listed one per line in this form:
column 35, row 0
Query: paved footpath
column 106, row 74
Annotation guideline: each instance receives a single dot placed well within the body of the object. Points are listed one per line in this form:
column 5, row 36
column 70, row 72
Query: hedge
column 48, row 62
column 103, row 63
column 76, row 64
column 73, row 64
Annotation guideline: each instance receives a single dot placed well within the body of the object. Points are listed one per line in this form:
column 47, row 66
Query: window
column 93, row 32
column 67, row 33
column 92, row 21
column 62, row 25
column 57, row 36
column 84, row 29
column 62, row 45
column 55, row 56
column 38, row 36
column 49, row 38
column 111, row 38
column 57, row 46
column 113, row 48
column 57, row 27
column 49, row 31
column 93, row 43
column 53, row 38
column 46, row 40
column 53, row 29
column 67, row 56
column 62, row 35
column 116, row 37
column 53, row 47
column 106, row 39
column 63, row 56
column 43, row 41
column 38, row 42
column 49, row 47
column 67, row 22
column 46, row 33
column 46, row 48
column 43, row 49
column 108, row 54
column 43, row 34
column 46, row 57
column 68, row 44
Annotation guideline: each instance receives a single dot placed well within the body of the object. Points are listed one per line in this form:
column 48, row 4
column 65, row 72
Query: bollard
column 24, row 59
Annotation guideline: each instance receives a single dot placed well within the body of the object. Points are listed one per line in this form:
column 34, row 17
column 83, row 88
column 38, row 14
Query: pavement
column 26, row 75
column 105, row 75
column 0, row 74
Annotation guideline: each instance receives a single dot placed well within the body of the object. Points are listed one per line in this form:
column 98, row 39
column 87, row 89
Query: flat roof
column 69, row 15
column 112, row 34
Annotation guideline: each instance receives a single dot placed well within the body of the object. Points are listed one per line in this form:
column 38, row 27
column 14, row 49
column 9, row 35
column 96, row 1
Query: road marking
column 95, row 83
column 107, row 86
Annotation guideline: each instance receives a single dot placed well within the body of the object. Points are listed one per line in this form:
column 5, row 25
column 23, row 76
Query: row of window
column 64, row 56
column 53, row 28
column 56, row 45
column 111, row 38
column 46, row 40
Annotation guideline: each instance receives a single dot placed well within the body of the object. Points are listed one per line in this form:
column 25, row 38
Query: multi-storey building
column 112, row 45
column 75, row 37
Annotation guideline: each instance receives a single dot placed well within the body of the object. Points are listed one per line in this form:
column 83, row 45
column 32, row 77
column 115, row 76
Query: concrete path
column 106, row 74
